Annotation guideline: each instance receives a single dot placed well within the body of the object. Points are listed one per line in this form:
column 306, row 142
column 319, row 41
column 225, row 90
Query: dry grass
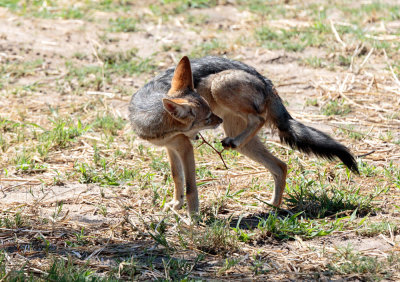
column 82, row 195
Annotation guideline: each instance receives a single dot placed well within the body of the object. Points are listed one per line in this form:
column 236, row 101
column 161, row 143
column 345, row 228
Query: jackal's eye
column 208, row 119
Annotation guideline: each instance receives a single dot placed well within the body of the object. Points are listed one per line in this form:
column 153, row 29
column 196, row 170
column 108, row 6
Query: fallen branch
column 366, row 154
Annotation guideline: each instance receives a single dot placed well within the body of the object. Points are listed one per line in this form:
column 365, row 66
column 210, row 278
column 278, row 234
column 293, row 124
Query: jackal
column 168, row 111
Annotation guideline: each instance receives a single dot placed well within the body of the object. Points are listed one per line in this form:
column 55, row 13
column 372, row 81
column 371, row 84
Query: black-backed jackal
column 175, row 105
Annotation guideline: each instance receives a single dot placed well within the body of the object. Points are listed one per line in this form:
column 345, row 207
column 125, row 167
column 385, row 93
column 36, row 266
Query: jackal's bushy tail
column 309, row 140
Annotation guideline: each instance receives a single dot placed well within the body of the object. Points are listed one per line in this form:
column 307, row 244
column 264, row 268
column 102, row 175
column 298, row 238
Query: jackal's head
column 184, row 104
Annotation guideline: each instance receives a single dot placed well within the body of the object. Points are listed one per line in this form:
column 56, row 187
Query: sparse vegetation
column 122, row 25
column 348, row 261
column 82, row 196
column 336, row 108
column 314, row 62
column 212, row 47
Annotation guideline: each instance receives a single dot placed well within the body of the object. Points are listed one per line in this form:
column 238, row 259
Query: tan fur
column 244, row 99
column 234, row 96
column 182, row 79
column 178, row 130
column 181, row 157
column 182, row 101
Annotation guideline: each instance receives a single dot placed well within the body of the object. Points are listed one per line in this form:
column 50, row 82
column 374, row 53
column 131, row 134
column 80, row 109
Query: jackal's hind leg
column 256, row 151
column 254, row 123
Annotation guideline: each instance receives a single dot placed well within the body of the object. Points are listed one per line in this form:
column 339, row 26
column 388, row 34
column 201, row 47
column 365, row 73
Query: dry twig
column 391, row 69
column 337, row 35
column 218, row 152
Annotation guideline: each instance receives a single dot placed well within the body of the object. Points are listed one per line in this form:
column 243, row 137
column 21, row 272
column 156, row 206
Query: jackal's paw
column 229, row 142
column 276, row 203
column 174, row 204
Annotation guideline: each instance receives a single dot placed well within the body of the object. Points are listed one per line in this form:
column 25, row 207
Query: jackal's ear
column 182, row 78
column 179, row 109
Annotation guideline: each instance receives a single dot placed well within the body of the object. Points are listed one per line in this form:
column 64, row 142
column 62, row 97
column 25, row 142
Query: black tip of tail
column 348, row 159
column 310, row 140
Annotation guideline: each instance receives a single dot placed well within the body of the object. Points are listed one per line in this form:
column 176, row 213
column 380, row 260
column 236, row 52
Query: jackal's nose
column 217, row 119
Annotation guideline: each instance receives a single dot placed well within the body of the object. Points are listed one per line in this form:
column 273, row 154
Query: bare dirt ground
column 78, row 186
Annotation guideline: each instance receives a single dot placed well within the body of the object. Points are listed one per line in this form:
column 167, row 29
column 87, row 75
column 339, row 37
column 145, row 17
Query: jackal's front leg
column 254, row 123
column 178, row 177
column 180, row 152
column 189, row 168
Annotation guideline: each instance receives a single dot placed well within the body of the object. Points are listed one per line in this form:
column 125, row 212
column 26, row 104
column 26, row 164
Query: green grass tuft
column 122, row 25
